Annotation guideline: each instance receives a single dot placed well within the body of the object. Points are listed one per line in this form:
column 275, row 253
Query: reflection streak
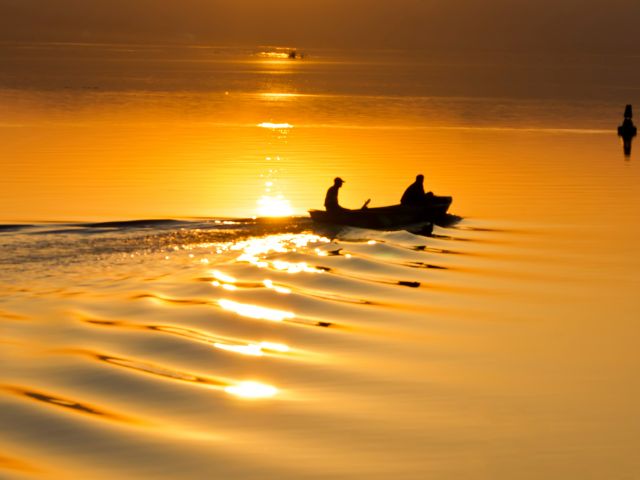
column 243, row 389
column 254, row 311
column 275, row 126
column 231, row 345
column 251, row 390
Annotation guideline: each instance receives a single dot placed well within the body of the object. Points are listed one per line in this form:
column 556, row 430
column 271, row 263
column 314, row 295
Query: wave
column 160, row 331
column 13, row 228
column 71, row 243
column 63, row 243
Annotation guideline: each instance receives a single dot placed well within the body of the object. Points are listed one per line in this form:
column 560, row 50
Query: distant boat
column 392, row 217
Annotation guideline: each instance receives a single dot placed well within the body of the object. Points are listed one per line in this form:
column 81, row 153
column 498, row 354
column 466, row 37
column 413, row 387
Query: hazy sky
column 586, row 25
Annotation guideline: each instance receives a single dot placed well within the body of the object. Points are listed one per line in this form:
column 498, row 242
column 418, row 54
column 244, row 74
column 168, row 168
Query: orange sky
column 587, row 25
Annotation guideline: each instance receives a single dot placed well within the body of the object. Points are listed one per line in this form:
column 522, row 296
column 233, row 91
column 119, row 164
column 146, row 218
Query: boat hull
column 394, row 217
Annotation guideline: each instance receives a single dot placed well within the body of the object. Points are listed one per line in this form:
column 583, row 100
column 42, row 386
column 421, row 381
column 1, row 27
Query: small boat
column 392, row 217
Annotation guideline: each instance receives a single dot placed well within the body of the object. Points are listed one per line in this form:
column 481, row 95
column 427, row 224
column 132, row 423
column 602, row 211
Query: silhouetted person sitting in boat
column 331, row 199
column 414, row 194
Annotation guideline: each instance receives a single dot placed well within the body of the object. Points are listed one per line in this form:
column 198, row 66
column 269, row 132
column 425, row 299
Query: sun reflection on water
column 251, row 390
column 275, row 347
column 227, row 286
column 273, row 203
column 256, row 251
column 276, row 126
column 251, row 349
column 295, row 267
column 223, row 277
column 255, row 311
column 254, row 349
column 278, row 55
column 274, row 206
column 277, row 288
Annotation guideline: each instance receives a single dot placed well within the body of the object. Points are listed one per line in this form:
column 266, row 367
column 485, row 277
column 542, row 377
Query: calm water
column 219, row 346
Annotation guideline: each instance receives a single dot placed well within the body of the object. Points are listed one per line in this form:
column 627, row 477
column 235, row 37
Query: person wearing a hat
column 331, row 199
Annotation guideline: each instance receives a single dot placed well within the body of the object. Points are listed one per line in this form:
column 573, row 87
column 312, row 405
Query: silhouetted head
column 628, row 112
column 338, row 181
column 420, row 178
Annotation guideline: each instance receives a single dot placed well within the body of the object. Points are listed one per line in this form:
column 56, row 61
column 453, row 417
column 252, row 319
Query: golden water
column 502, row 347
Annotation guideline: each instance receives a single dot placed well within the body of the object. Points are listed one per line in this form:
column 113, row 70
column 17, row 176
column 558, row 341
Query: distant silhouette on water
column 414, row 194
column 627, row 130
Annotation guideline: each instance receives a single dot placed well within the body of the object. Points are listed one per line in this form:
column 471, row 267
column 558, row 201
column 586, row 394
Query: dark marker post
column 627, row 130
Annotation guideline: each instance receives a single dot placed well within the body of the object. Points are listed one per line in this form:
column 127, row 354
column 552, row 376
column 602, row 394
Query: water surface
column 198, row 342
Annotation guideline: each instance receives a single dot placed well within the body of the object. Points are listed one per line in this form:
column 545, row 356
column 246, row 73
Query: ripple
column 223, row 343
column 14, row 228
column 68, row 404
column 256, row 311
column 18, row 465
column 145, row 368
column 197, row 343
column 12, row 316
column 177, row 301
column 243, row 388
column 287, row 289
column 158, row 370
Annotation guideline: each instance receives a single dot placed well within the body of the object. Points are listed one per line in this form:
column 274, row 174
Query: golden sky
column 585, row 25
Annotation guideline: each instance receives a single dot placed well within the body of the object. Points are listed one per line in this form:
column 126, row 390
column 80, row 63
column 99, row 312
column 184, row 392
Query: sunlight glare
column 275, row 126
column 276, row 347
column 254, row 349
column 278, row 55
column 278, row 206
column 295, row 267
column 255, row 311
column 223, row 277
column 277, row 288
column 254, row 250
column 251, row 349
column 252, row 389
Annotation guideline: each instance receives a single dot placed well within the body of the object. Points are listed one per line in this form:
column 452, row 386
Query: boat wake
column 68, row 243
column 147, row 338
